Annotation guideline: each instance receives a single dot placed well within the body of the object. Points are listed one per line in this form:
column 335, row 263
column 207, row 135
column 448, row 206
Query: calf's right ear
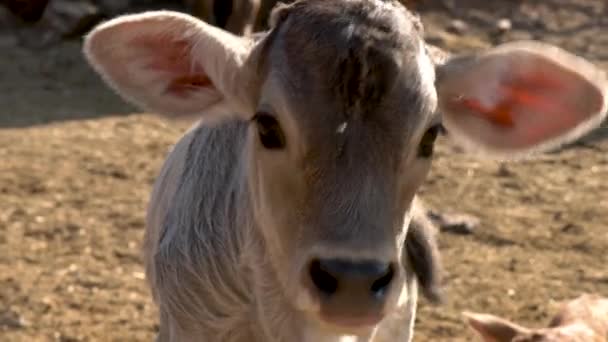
column 173, row 64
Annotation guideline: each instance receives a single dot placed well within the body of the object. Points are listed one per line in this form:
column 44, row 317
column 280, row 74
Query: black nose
column 363, row 279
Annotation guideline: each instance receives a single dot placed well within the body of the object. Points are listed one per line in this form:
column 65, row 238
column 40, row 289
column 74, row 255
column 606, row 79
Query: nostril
column 381, row 284
column 324, row 281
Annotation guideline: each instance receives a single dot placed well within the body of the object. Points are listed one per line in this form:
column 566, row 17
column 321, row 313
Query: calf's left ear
column 520, row 97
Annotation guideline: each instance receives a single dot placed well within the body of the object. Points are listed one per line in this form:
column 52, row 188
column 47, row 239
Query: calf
column 282, row 215
column 584, row 319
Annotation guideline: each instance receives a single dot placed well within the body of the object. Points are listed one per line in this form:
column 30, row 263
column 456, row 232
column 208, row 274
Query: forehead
column 351, row 61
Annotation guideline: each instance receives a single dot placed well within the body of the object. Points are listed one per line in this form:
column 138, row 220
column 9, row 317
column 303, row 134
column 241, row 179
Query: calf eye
column 425, row 149
column 269, row 131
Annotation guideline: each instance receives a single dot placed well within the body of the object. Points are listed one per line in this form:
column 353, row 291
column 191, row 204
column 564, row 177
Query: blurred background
column 77, row 164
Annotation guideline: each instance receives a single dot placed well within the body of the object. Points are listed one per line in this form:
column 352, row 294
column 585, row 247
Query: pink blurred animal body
column 584, row 319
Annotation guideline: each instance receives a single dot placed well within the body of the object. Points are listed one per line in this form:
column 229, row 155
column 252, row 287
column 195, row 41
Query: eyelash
column 269, row 131
column 425, row 148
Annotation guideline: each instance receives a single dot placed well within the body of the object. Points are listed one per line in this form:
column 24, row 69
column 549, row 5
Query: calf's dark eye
column 269, row 131
column 425, row 149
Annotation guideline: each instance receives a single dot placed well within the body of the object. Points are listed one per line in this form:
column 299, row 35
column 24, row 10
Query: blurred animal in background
column 236, row 16
column 243, row 16
column 584, row 319
column 27, row 10
column 240, row 17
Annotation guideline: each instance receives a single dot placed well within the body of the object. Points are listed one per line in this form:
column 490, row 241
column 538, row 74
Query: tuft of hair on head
column 279, row 14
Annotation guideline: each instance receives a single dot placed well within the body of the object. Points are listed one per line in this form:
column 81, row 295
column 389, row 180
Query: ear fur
column 172, row 63
column 520, row 98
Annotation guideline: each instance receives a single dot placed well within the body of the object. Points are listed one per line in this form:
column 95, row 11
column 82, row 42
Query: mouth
column 353, row 322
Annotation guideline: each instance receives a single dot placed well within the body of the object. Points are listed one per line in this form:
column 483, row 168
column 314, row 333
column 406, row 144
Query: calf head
column 343, row 103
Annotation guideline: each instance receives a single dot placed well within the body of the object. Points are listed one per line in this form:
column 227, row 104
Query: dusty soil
column 76, row 167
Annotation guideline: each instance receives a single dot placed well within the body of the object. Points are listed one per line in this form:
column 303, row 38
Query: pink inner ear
column 500, row 115
column 183, row 85
column 539, row 104
column 174, row 57
column 527, row 92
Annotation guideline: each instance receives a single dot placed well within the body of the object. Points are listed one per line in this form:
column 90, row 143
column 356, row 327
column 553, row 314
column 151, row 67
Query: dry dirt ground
column 77, row 164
